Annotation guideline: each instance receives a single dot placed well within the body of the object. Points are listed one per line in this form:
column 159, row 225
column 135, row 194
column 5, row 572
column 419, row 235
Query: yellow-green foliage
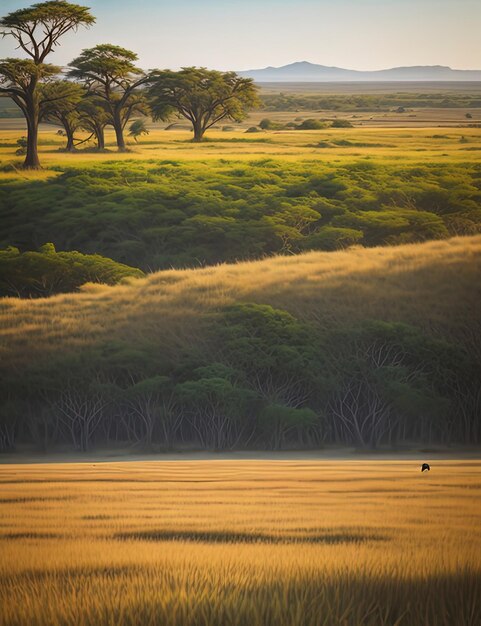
column 218, row 543
column 175, row 205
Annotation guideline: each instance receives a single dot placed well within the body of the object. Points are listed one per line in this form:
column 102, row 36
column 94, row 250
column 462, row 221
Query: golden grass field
column 284, row 543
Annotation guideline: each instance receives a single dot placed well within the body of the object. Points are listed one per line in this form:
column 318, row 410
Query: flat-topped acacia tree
column 110, row 74
column 37, row 31
column 204, row 97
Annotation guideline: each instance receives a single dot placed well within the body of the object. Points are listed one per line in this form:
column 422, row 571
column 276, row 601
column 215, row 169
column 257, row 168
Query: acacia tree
column 204, row 97
column 94, row 118
column 36, row 30
column 109, row 73
column 61, row 100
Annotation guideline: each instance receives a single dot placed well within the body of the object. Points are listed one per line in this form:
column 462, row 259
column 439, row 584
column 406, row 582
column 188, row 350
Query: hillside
column 303, row 71
column 362, row 347
column 433, row 285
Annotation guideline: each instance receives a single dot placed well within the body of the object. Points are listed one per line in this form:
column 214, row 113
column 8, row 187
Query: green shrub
column 160, row 214
column 341, row 124
column 311, row 124
column 47, row 272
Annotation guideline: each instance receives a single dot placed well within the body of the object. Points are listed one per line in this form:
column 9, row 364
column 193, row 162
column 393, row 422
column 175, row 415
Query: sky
column 250, row 34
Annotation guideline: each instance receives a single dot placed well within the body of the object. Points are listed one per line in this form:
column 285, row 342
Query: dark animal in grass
column 424, row 467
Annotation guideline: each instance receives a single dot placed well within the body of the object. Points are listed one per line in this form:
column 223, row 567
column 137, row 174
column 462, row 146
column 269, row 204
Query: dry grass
column 241, row 542
column 435, row 285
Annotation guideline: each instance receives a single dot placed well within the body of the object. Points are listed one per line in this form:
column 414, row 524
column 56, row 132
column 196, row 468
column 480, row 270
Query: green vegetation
column 309, row 124
column 111, row 77
column 46, row 272
column 137, row 129
column 341, row 124
column 159, row 214
column 37, row 30
column 203, row 97
column 62, row 100
column 369, row 102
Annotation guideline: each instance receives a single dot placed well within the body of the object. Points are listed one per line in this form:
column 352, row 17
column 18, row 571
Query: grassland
column 393, row 144
column 219, row 543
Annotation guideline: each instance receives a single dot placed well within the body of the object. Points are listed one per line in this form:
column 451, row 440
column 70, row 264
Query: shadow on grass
column 349, row 599
column 29, row 535
column 203, row 536
column 34, row 499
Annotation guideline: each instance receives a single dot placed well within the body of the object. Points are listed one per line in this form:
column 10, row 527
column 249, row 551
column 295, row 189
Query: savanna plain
column 287, row 542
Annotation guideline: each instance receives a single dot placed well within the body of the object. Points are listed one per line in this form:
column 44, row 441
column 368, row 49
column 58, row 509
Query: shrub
column 311, row 124
column 341, row 124
column 47, row 272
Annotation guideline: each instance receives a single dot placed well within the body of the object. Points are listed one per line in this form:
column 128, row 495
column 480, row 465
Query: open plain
column 292, row 543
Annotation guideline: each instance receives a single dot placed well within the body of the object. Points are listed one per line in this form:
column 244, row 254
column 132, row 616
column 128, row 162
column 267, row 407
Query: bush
column 341, row 124
column 47, row 272
column 22, row 146
column 311, row 124
column 160, row 214
column 266, row 124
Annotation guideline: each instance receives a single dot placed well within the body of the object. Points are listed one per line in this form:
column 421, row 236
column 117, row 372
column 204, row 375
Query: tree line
column 103, row 86
column 257, row 378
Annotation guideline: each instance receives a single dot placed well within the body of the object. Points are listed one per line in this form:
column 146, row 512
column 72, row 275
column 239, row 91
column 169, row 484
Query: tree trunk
column 70, row 139
column 119, row 133
column 100, row 137
column 198, row 132
column 32, row 161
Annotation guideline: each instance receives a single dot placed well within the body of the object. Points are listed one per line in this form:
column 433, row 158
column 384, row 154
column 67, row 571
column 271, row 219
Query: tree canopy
column 204, row 97
column 37, row 30
column 109, row 73
column 60, row 105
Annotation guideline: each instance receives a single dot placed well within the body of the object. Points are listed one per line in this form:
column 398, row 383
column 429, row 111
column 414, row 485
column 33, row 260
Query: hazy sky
column 246, row 34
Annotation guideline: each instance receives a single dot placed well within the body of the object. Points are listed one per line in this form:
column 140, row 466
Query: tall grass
column 241, row 542
column 435, row 286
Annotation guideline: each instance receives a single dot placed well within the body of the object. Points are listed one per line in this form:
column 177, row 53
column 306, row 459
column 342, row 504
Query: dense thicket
column 258, row 378
column 155, row 214
column 39, row 274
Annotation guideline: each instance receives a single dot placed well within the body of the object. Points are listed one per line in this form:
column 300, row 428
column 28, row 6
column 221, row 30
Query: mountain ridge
column 305, row 71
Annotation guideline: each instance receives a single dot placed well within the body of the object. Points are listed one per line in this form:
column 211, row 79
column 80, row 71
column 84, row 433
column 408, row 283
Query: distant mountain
column 303, row 71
